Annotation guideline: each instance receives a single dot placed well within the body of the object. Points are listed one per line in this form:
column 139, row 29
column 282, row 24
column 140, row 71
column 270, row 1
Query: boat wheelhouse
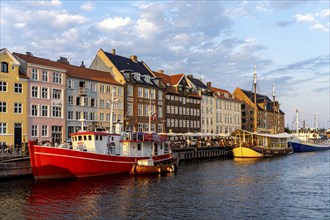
column 257, row 145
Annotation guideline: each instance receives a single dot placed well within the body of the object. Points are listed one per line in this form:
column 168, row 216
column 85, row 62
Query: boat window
column 139, row 146
column 85, row 137
column 100, row 137
column 112, row 138
column 96, row 137
column 89, row 137
column 79, row 138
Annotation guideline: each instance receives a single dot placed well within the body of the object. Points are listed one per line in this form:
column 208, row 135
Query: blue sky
column 216, row 41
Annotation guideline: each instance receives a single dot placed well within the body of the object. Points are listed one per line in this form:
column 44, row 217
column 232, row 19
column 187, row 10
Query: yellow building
column 13, row 101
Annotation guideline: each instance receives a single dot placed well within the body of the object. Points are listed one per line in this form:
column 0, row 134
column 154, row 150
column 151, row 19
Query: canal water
column 291, row 187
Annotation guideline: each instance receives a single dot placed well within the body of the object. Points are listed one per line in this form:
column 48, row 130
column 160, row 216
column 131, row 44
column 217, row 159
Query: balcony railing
column 82, row 91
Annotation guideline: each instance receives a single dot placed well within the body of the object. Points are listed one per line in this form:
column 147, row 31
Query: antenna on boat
column 111, row 110
column 255, row 99
column 149, row 127
column 82, row 119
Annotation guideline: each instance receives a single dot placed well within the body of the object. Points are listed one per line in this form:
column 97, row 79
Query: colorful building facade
column 13, row 101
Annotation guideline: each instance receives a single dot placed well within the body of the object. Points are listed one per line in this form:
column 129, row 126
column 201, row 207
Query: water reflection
column 62, row 197
column 292, row 187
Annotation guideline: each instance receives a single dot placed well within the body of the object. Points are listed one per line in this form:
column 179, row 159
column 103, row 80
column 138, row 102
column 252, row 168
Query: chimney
column 134, row 58
column 189, row 76
column 114, row 52
column 160, row 71
column 63, row 60
column 208, row 84
column 82, row 64
column 29, row 53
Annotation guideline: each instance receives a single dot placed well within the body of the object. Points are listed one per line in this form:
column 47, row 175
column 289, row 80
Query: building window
column 146, row 110
column 92, row 116
column 146, row 93
column 101, row 88
column 160, row 112
column 44, row 110
column 57, row 78
column 4, row 67
column 18, row 88
column 3, row 128
column 57, row 112
column 3, row 86
column 70, row 84
column 34, row 131
column 34, row 110
column 44, row 131
column 34, row 74
column 120, row 91
column 3, row 106
column 18, row 108
column 44, row 93
column 70, row 100
column 129, row 90
column 34, row 91
column 130, row 109
column 140, row 92
column 160, row 95
column 57, row 94
column 140, row 110
column 102, row 103
column 44, row 76
column 101, row 116
column 160, row 128
column 93, row 87
column 70, row 115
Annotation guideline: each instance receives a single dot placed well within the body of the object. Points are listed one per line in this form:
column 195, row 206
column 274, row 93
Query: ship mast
column 316, row 122
column 255, row 100
column 297, row 122
column 274, row 116
column 111, row 111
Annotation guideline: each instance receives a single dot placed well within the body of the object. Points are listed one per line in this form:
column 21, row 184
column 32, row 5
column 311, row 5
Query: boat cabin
column 96, row 142
column 249, row 139
column 142, row 144
column 132, row 144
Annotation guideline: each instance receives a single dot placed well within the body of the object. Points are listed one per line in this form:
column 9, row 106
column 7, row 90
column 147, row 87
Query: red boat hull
column 54, row 163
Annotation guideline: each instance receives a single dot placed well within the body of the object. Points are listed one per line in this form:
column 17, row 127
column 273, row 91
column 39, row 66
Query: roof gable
column 124, row 63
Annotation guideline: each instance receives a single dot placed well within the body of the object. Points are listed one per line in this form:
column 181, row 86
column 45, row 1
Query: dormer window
column 156, row 81
column 4, row 67
column 137, row 76
column 147, row 78
column 126, row 75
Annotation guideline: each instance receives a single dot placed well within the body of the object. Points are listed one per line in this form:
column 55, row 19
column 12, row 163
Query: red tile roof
column 174, row 79
column 72, row 71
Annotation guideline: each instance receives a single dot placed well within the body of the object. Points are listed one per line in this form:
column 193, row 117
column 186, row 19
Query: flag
column 154, row 116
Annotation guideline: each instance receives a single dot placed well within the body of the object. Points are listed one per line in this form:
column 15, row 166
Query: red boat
column 98, row 153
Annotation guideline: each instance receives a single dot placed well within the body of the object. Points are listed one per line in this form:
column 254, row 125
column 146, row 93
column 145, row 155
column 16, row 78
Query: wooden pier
column 15, row 167
column 192, row 153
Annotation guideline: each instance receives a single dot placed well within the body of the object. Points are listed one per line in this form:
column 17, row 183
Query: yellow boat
column 256, row 145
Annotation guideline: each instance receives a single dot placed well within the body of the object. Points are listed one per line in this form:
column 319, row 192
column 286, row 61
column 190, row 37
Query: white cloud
column 146, row 28
column 316, row 19
column 307, row 17
column 88, row 6
column 20, row 25
column 114, row 23
column 52, row 3
column 63, row 18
